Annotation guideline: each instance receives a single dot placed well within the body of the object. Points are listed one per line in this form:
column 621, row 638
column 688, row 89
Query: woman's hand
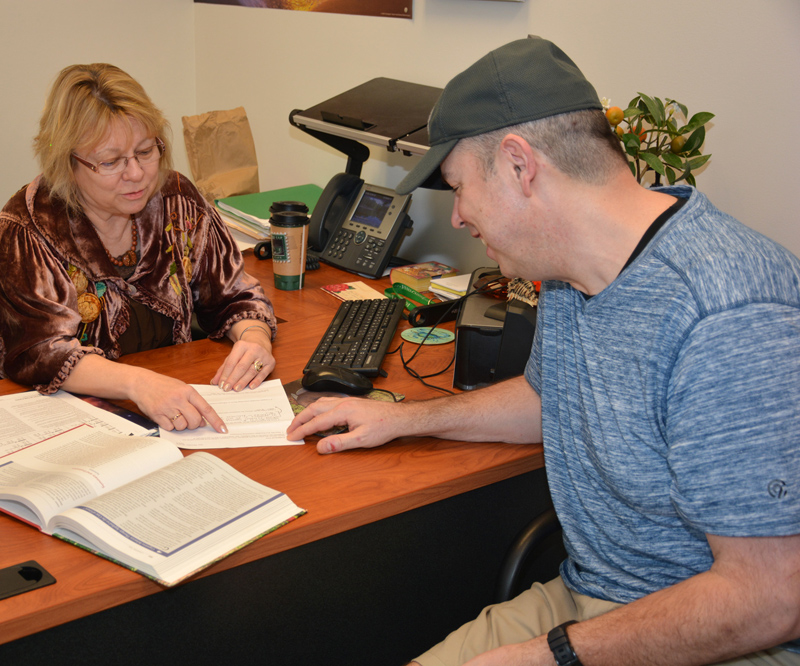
column 173, row 404
column 250, row 360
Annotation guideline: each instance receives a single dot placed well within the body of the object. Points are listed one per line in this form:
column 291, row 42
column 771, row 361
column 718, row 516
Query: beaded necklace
column 129, row 257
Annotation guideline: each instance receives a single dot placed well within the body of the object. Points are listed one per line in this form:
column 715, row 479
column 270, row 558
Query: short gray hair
column 581, row 144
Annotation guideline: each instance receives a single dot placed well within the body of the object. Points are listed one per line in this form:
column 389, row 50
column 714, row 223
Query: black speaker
column 493, row 337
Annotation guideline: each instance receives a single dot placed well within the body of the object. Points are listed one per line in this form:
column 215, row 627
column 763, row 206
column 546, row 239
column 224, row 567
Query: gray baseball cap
column 525, row 80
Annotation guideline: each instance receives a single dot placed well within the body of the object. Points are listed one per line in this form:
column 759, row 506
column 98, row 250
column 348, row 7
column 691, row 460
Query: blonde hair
column 84, row 102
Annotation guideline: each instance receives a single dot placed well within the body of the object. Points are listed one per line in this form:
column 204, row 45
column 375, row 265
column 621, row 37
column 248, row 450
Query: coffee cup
column 289, row 238
column 281, row 206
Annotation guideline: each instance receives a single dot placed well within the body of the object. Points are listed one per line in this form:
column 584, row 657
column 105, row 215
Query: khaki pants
column 535, row 612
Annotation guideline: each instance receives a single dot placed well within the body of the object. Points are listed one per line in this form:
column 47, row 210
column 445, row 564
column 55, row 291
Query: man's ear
column 519, row 156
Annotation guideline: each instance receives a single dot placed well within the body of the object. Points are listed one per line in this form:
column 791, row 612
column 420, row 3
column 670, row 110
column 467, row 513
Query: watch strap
column 560, row 646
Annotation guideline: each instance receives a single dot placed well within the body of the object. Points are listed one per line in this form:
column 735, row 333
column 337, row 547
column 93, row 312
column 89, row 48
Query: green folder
column 254, row 208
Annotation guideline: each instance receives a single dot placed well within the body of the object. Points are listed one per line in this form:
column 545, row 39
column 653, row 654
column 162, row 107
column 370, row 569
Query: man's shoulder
column 724, row 262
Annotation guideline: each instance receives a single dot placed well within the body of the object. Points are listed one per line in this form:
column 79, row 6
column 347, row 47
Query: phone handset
column 332, row 207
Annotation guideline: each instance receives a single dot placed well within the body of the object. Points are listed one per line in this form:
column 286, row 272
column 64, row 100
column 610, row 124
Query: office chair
column 221, row 152
column 525, row 547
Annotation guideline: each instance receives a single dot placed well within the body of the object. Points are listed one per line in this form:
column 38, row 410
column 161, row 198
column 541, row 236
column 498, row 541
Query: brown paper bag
column 222, row 155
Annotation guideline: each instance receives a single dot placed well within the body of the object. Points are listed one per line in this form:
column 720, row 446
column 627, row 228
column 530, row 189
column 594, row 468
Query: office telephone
column 356, row 226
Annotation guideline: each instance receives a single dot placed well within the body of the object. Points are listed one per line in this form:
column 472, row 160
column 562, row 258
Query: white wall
column 152, row 40
column 739, row 59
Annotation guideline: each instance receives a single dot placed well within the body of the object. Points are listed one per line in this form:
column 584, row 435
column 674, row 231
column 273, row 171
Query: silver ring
column 176, row 417
column 258, row 365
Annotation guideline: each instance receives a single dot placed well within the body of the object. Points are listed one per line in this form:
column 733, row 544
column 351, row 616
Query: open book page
column 30, row 417
column 178, row 519
column 254, row 417
column 42, row 480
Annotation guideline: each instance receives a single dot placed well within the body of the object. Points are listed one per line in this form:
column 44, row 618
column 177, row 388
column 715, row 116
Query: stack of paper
column 452, row 287
column 249, row 213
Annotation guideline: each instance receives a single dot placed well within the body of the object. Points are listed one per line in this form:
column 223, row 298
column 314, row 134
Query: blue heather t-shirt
column 671, row 404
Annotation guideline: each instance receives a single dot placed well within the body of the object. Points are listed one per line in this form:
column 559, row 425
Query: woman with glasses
column 109, row 251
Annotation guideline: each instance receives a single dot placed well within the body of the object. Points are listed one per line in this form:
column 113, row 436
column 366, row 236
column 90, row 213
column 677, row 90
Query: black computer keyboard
column 359, row 335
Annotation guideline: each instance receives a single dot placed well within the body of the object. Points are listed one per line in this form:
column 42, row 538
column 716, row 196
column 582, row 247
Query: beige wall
column 739, row 59
column 153, row 40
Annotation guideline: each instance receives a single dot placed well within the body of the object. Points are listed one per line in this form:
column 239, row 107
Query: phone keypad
column 370, row 254
column 339, row 243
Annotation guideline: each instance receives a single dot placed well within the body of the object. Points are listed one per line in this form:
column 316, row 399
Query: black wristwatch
column 560, row 646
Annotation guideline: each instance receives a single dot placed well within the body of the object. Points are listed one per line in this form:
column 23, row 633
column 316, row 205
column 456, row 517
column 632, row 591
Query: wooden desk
column 343, row 493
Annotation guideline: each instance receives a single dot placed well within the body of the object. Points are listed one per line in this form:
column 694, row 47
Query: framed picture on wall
column 386, row 8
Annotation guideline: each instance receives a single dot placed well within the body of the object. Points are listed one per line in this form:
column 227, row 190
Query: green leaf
column 632, row 112
column 695, row 140
column 653, row 162
column 690, row 180
column 631, row 142
column 655, row 107
column 673, row 160
column 697, row 162
column 698, row 120
column 670, row 175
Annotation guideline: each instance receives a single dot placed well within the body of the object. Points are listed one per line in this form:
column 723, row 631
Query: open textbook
column 138, row 501
column 30, row 417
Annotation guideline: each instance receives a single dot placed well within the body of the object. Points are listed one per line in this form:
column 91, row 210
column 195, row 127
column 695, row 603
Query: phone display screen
column 372, row 208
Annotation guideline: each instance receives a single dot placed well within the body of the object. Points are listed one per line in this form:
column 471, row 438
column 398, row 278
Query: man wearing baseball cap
column 663, row 382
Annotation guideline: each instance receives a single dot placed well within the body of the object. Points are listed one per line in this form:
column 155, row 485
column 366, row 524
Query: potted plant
column 655, row 137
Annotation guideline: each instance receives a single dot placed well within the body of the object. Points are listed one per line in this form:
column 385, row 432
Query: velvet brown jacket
column 54, row 272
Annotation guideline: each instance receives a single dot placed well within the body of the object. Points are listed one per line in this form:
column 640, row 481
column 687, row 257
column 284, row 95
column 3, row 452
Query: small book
column 353, row 291
column 418, row 276
column 138, row 501
column 453, row 286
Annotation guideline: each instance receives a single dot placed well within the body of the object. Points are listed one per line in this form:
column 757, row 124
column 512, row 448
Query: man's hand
column 506, row 412
column 370, row 423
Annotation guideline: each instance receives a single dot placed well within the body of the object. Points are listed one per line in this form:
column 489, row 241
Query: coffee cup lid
column 289, row 218
column 288, row 206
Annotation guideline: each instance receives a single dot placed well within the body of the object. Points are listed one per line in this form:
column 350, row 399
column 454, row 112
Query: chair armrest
column 530, row 538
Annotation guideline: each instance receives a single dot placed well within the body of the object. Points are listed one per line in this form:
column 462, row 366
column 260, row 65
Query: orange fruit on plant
column 638, row 131
column 677, row 144
column 615, row 116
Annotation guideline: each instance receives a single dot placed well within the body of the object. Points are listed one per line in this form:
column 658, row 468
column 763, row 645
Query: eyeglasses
column 118, row 165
